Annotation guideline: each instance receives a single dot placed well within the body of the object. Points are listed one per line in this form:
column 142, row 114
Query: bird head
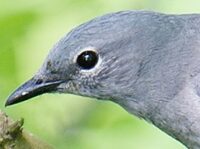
column 102, row 58
column 139, row 59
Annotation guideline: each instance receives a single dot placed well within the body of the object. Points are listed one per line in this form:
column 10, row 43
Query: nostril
column 39, row 81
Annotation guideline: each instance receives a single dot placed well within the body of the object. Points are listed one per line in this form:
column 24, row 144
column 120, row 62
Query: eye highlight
column 87, row 59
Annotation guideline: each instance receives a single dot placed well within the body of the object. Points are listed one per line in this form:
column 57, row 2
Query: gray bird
column 147, row 62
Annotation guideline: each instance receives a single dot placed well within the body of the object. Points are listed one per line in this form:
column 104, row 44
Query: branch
column 12, row 135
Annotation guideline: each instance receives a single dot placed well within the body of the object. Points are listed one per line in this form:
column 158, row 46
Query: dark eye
column 87, row 59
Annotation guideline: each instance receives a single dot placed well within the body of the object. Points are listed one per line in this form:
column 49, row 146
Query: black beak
column 31, row 88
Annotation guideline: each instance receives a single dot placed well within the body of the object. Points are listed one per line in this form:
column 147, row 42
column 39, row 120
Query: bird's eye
column 87, row 59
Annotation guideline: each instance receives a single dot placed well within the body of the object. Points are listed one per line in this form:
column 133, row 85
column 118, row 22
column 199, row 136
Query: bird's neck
column 180, row 117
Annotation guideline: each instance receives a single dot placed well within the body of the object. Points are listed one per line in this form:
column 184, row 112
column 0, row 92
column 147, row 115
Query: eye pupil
column 87, row 59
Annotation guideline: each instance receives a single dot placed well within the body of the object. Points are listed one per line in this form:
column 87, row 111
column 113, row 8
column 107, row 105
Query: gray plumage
column 149, row 63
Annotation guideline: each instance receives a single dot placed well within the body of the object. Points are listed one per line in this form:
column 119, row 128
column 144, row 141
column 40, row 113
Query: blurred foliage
column 28, row 29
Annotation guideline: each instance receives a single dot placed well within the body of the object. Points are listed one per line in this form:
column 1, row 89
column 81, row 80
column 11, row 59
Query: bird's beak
column 31, row 88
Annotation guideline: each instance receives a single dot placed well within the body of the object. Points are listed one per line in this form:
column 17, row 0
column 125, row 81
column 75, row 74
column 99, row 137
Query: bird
column 147, row 62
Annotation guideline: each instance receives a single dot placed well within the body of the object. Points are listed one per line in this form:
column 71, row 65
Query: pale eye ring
column 87, row 59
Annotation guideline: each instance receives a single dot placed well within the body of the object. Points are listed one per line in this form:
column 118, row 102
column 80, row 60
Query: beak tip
column 9, row 102
column 15, row 98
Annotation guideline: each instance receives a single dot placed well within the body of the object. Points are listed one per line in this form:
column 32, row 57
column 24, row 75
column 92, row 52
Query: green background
column 28, row 29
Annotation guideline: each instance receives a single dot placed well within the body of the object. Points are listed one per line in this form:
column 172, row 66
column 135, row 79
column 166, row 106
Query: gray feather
column 149, row 64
